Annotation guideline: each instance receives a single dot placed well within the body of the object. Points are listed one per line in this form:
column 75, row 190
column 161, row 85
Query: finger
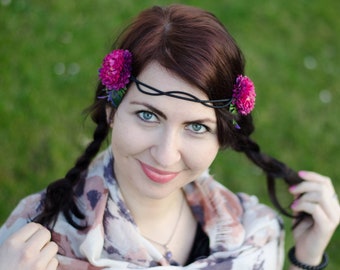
column 304, row 187
column 314, row 177
column 319, row 216
column 308, row 186
column 53, row 264
column 303, row 226
column 50, row 250
column 25, row 232
column 317, row 197
column 317, row 192
column 321, row 196
column 320, row 191
column 39, row 238
column 48, row 254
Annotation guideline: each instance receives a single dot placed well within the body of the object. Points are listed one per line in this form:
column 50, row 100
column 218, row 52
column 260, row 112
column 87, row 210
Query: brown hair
column 194, row 45
column 191, row 43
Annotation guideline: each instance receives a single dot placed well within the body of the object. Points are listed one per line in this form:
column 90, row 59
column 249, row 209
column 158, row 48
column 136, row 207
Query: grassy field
column 50, row 52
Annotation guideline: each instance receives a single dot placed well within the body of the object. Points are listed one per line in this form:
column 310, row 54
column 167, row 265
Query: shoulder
column 258, row 216
column 206, row 191
column 244, row 203
column 27, row 209
column 237, row 223
column 252, row 205
column 247, row 209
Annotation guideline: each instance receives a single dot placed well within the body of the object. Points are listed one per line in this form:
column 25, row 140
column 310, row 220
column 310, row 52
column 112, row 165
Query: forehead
column 156, row 76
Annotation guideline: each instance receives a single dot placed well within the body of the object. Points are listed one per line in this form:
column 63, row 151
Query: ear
column 109, row 115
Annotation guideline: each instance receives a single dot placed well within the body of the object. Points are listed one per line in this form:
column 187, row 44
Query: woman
column 173, row 93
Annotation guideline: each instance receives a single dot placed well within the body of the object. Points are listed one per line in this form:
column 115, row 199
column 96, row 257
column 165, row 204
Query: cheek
column 126, row 139
column 199, row 157
column 123, row 140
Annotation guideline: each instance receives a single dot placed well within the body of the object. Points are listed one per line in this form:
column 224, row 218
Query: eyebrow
column 151, row 108
column 161, row 114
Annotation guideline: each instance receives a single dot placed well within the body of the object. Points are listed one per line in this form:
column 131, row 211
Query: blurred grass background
column 50, row 52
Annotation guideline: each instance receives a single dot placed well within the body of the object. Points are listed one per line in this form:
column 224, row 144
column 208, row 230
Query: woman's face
column 161, row 143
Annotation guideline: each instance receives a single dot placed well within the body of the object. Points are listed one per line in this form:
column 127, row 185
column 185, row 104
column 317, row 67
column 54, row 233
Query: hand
column 29, row 248
column 315, row 196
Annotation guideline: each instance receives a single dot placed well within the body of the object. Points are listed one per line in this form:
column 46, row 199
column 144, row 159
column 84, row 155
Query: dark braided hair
column 194, row 45
column 60, row 194
column 273, row 168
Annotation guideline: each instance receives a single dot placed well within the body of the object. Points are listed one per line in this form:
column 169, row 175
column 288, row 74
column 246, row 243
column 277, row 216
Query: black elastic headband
column 181, row 95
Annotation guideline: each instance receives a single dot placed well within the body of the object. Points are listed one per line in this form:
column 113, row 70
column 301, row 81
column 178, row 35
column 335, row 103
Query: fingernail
column 294, row 204
column 292, row 188
column 302, row 173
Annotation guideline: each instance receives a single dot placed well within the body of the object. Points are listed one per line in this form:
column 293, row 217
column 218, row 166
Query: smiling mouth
column 156, row 175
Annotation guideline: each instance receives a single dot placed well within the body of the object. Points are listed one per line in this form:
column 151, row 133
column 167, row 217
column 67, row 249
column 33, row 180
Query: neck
column 147, row 211
column 167, row 223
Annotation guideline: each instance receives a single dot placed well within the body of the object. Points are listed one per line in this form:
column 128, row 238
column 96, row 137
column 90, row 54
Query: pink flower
column 244, row 95
column 116, row 69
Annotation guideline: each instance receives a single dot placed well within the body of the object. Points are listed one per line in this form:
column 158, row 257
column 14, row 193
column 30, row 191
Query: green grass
column 50, row 52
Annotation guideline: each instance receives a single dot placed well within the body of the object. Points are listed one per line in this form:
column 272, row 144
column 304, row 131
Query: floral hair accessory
column 243, row 99
column 115, row 74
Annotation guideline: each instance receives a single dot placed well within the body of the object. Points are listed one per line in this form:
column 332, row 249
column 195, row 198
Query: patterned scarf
column 243, row 234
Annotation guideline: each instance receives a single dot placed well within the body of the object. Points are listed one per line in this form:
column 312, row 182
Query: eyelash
column 141, row 115
column 206, row 128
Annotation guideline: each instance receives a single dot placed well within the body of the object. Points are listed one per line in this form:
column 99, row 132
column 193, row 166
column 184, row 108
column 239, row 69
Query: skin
column 169, row 148
column 161, row 144
column 172, row 137
column 168, row 134
column 29, row 248
column 318, row 198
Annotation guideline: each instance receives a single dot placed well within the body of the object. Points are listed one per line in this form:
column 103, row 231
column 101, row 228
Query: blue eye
column 147, row 116
column 198, row 128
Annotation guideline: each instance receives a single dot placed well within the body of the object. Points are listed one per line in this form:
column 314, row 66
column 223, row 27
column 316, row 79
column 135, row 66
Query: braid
column 60, row 194
column 273, row 168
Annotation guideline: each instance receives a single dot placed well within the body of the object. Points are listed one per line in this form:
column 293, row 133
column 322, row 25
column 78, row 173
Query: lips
column 156, row 175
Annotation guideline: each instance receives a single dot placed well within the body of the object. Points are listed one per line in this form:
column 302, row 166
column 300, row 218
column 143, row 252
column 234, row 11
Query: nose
column 166, row 150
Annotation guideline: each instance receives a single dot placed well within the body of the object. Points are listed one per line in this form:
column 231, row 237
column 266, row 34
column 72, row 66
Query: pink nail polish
column 294, row 204
column 292, row 188
column 302, row 173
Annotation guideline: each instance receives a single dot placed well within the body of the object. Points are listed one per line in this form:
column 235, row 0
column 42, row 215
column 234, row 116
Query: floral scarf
column 243, row 234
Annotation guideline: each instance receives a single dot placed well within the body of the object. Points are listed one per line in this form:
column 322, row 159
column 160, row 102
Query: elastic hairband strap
column 181, row 95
